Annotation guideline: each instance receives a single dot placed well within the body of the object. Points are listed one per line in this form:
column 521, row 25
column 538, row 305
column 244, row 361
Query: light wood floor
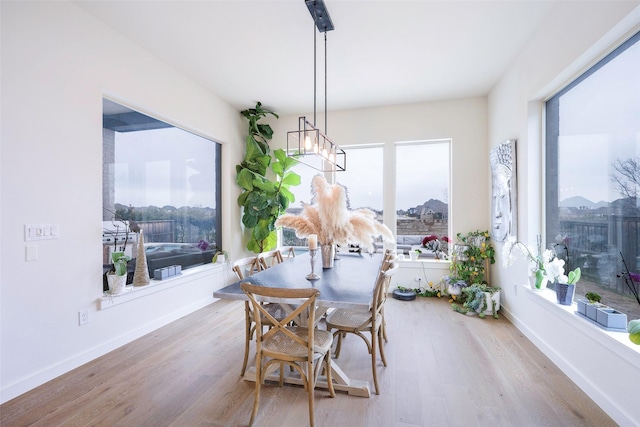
column 445, row 369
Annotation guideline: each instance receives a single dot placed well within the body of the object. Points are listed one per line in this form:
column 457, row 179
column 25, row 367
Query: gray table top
column 349, row 284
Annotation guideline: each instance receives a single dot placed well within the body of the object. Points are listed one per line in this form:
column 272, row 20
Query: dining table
column 348, row 284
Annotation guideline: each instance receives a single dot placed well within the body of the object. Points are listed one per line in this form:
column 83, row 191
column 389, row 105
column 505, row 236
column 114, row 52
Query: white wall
column 464, row 121
column 57, row 63
column 605, row 366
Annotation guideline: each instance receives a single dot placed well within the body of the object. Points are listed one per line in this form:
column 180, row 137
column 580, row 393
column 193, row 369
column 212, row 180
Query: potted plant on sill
column 565, row 284
column 117, row 278
column 588, row 307
column 539, row 261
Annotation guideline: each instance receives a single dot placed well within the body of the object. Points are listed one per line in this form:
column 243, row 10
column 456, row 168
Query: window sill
column 154, row 286
column 624, row 347
column 425, row 262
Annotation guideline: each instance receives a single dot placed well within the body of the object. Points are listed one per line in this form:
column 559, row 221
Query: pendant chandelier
column 308, row 144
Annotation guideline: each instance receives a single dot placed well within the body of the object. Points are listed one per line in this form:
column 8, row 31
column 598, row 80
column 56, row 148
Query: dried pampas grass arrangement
column 329, row 217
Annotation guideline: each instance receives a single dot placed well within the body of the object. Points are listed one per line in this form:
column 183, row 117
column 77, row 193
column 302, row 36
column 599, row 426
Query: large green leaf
column 265, row 185
column 252, row 149
column 287, row 195
column 245, row 179
column 291, row 178
column 277, row 168
column 265, row 131
column 248, row 219
column 242, row 198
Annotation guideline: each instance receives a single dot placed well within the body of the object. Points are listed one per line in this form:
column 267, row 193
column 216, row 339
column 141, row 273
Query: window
column 422, row 190
column 363, row 178
column 593, row 176
column 165, row 179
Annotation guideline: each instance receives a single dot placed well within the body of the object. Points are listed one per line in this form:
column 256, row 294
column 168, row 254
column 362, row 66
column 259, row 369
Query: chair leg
column 340, row 335
column 384, row 328
column 311, row 385
column 381, row 347
column 247, row 338
column 327, row 364
column 374, row 368
column 256, row 400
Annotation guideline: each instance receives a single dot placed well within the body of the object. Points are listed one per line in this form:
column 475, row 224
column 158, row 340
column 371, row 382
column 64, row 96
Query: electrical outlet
column 417, row 279
column 83, row 317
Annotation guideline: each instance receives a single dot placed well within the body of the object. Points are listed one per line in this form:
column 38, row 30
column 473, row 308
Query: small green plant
column 120, row 263
column 592, row 297
column 215, row 257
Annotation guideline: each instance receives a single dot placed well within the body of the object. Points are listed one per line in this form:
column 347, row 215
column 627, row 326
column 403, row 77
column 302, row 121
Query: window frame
column 109, row 184
column 552, row 121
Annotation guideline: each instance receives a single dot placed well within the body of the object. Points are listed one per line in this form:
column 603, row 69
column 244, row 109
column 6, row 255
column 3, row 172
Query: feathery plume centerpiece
column 329, row 217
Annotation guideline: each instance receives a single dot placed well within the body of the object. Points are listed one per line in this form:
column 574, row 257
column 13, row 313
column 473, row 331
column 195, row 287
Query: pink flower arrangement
column 429, row 238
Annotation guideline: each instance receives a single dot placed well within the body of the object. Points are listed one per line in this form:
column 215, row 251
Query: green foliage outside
column 262, row 199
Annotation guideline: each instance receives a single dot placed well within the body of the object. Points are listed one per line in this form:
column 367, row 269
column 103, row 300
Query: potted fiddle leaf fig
column 263, row 199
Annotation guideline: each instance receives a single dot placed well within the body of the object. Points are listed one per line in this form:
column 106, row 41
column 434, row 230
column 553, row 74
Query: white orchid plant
column 545, row 261
column 541, row 259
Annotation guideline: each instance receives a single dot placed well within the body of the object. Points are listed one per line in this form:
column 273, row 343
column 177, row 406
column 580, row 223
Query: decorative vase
column 117, row 284
column 413, row 255
column 538, row 280
column 328, row 254
column 564, row 293
column 141, row 273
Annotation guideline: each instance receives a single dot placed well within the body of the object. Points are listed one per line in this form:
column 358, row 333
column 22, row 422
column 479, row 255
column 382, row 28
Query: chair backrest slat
column 303, row 299
column 270, row 258
column 246, row 267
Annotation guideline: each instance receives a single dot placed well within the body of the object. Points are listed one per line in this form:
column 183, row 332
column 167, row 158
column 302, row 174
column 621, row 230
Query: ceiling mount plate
column 320, row 15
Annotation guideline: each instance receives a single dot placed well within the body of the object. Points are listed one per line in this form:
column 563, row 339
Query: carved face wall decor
column 504, row 191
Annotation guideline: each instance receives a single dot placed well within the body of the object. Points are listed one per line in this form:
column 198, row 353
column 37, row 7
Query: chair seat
column 274, row 310
column 280, row 343
column 349, row 319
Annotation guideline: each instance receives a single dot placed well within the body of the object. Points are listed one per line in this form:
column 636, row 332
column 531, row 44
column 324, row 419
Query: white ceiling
column 380, row 53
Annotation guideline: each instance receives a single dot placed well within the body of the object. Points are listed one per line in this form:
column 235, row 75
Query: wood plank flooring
column 444, row 369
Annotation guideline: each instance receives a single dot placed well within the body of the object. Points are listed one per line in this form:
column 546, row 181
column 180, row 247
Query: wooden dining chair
column 359, row 322
column 270, row 258
column 304, row 349
column 246, row 267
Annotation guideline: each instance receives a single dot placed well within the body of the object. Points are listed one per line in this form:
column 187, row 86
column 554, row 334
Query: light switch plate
column 41, row 232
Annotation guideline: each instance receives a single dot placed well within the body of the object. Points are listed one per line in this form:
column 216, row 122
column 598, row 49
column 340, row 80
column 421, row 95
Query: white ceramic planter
column 492, row 299
column 117, row 284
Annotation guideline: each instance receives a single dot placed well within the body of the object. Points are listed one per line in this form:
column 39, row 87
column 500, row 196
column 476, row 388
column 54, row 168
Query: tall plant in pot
column 263, row 200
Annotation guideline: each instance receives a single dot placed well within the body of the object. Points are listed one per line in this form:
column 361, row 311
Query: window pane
column 363, row 178
column 593, row 172
column 422, row 191
column 167, row 180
